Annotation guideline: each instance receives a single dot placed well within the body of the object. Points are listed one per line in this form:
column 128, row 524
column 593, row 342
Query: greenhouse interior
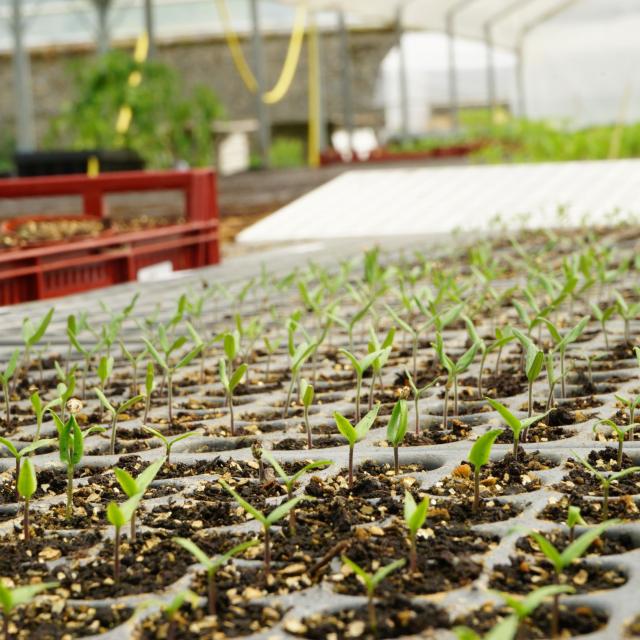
column 325, row 319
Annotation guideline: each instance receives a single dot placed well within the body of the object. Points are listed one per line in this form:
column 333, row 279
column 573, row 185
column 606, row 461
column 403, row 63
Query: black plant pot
column 54, row 163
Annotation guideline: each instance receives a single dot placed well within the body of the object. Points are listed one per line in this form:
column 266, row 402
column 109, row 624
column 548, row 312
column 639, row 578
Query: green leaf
column 481, row 449
column 579, row 546
column 276, row 465
column 37, row 335
column 383, row 572
column 251, row 510
column 549, row 550
column 354, row 361
column 105, row 367
column 11, row 365
column 318, row 464
column 222, row 372
column 234, row 551
column 11, row 598
column 362, row 428
column 105, row 403
column 306, row 393
column 115, row 515
column 36, row 403
column 399, row 321
column 196, row 552
column 397, row 425
column 513, row 422
column 189, row 357
column 533, row 600
column 415, row 514
column 300, row 356
column 280, row 512
column 126, row 481
column 574, row 517
column 230, row 344
column 127, row 404
column 27, row 480
column 12, row 448
column 237, row 376
column 34, row 446
column 467, row 358
column 149, row 381
column 156, row 433
column 345, row 428
column 155, row 355
column 359, row 571
column 625, row 472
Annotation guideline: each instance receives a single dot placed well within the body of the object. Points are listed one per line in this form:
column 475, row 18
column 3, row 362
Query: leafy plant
column 377, row 365
column 71, row 444
column 27, row 486
column 137, row 486
column 628, row 312
column 306, row 395
column 134, row 361
column 517, row 426
column 32, row 334
column 415, row 515
column 620, row 431
column 574, row 518
column 371, row 583
column 149, row 386
column 115, row 413
column 603, row 316
column 397, row 428
column 478, row 457
column 355, row 434
column 605, row 480
column 18, row 454
column 40, row 409
column 119, row 515
column 417, row 394
column 229, row 384
column 630, row 404
column 5, row 378
column 534, row 361
column 360, row 367
column 169, row 442
column 298, row 357
column 12, row 597
column 290, row 481
column 267, row 521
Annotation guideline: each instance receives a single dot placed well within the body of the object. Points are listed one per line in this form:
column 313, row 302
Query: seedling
column 306, row 395
column 630, row 404
column 605, row 480
column 270, row 346
column 562, row 342
column 5, row 378
column 149, row 386
column 115, row 412
column 574, row 518
column 628, row 313
column 417, row 394
column 603, row 316
column 290, row 481
column 371, row 583
column 454, row 369
column 266, row 521
column 137, row 486
column 561, row 561
column 620, row 431
column 414, row 517
column 534, row 361
column 397, row 428
column 378, row 364
column 40, row 409
column 298, row 356
column 212, row 565
column 31, row 335
column 360, row 367
column 119, row 515
column 478, row 457
column 72, row 334
column 105, row 369
column 171, row 608
column 18, row 454
column 355, row 434
column 229, row 384
column 71, row 443
column 12, row 597
column 169, row 442
column 552, row 377
column 134, row 361
column 517, row 426
column 168, row 369
column 27, row 485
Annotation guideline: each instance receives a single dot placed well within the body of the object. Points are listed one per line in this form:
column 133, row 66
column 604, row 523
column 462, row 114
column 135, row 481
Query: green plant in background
column 478, row 457
column 415, row 515
column 5, row 378
column 298, row 356
column 18, row 454
column 630, row 404
column 286, row 153
column 534, row 361
column 32, row 334
column 360, row 367
column 377, row 365
column 170, row 123
column 396, row 429
column 306, row 395
column 628, row 313
column 27, row 486
column 12, row 597
column 149, row 387
column 119, row 515
column 355, row 434
column 169, row 442
column 212, row 565
column 574, row 518
column 603, row 316
column 40, row 409
column 115, row 413
column 371, row 583
column 137, row 486
column 417, row 394
column 620, row 431
column 229, row 384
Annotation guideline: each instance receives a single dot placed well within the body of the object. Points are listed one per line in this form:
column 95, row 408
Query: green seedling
column 454, row 369
column 378, row 364
column 562, row 342
column 27, row 486
column 306, row 395
column 71, row 444
column 65, row 391
column 134, row 361
column 478, row 457
column 40, row 409
column 31, row 335
column 267, row 521
column 628, row 313
column 415, row 515
column 119, row 515
column 115, row 412
column 298, row 356
column 516, row 425
column 417, row 394
column 620, row 431
column 574, row 518
column 534, row 361
column 105, row 369
column 290, row 481
column 87, row 354
column 19, row 454
column 149, row 386
column 171, row 608
column 561, row 560
column 396, row 429
column 605, row 480
column 504, row 630
column 169, row 370
column 603, row 316
column 270, row 346
column 169, row 442
column 630, row 404
column 137, row 486
column 5, row 378
column 355, row 434
column 212, row 565
column 12, row 597
column 360, row 367
column 229, row 384
column 552, row 377
column 371, row 583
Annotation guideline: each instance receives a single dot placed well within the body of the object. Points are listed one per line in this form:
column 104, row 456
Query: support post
column 103, row 37
column 150, row 28
column 402, row 68
column 25, row 133
column 347, row 96
column 264, row 126
column 491, row 72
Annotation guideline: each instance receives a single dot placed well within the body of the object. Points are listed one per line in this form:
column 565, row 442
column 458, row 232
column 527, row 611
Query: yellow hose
column 314, row 98
column 289, row 67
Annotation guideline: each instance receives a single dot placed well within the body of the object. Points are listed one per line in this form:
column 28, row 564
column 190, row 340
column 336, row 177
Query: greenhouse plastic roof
column 51, row 22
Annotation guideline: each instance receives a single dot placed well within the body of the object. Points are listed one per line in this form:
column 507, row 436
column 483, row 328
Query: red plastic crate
column 64, row 268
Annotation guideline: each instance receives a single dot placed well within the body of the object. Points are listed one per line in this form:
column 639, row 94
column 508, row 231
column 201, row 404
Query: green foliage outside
column 169, row 124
